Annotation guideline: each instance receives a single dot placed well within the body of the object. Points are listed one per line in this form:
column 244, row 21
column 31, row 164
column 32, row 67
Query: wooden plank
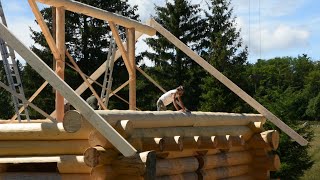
column 233, row 87
column 123, row 51
column 60, row 43
column 132, row 76
column 78, row 7
column 35, row 94
column 45, row 71
column 86, row 81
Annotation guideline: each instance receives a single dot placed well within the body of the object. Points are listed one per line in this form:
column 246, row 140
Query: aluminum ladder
column 13, row 76
column 107, row 81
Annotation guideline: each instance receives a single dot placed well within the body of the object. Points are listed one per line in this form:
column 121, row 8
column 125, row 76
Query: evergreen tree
column 172, row 66
column 87, row 40
column 6, row 110
column 222, row 48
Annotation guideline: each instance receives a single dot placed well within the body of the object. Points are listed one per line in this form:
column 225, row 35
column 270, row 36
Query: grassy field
column 314, row 172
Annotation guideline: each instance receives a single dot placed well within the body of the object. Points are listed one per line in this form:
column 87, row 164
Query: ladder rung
column 17, row 84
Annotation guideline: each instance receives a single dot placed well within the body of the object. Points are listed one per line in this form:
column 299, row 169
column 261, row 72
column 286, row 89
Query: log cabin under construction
column 129, row 144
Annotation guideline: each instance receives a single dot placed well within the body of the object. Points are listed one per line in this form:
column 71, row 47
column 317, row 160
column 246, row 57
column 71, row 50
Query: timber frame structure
column 122, row 144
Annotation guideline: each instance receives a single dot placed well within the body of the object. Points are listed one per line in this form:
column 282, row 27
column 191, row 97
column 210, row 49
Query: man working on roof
column 174, row 96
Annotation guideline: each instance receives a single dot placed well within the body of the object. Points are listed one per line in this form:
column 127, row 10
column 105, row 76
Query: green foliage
column 172, row 66
column 222, row 48
column 6, row 110
column 275, row 86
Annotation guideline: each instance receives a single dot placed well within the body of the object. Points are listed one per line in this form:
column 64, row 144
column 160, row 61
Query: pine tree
column 87, row 40
column 6, row 110
column 222, row 48
column 172, row 67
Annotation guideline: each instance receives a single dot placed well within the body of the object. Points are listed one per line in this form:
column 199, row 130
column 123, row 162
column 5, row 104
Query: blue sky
column 286, row 28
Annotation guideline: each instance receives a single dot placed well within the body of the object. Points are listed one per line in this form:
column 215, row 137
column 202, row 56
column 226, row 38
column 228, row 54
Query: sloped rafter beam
column 150, row 79
column 122, row 49
column 233, row 87
column 78, row 7
column 75, row 100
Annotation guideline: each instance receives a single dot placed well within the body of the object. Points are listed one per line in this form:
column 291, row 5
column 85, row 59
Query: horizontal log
column 147, row 144
column 29, row 148
column 85, row 9
column 267, row 139
column 176, row 166
column 194, row 152
column 261, row 174
column 184, row 176
column 270, row 162
column 243, row 177
column 8, row 121
column 73, row 164
column 256, row 127
column 259, row 152
column 225, row 159
column 190, row 142
column 36, row 175
column 39, row 131
column 97, row 139
column 237, row 141
column 223, row 172
column 105, row 172
column 130, row 177
column 174, row 143
column 153, row 119
column 193, row 131
column 99, row 156
column 180, row 154
column 41, row 159
column 143, row 164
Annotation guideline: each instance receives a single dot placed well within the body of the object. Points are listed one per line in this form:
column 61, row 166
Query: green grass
column 314, row 172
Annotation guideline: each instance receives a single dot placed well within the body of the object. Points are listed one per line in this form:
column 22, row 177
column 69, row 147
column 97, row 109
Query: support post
column 132, row 62
column 60, row 42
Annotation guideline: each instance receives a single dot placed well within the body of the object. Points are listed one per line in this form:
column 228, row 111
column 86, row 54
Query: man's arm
column 181, row 104
column 174, row 101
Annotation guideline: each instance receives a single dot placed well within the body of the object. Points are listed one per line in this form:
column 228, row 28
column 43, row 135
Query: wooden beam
column 154, row 119
column 35, row 94
column 86, row 81
column 60, row 43
column 122, row 49
column 150, row 79
column 78, row 7
column 43, row 175
column 42, row 147
column 45, row 71
column 39, row 131
column 45, row 29
column 132, row 76
column 23, row 99
column 233, row 87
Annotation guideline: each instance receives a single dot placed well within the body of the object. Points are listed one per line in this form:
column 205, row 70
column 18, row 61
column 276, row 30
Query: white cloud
column 283, row 37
